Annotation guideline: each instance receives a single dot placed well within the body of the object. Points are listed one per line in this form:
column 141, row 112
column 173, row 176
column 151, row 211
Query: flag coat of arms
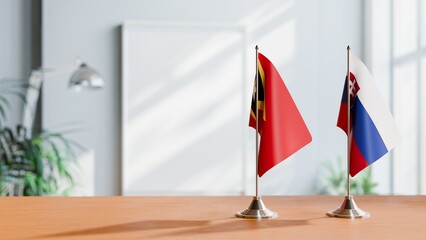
column 372, row 131
column 281, row 127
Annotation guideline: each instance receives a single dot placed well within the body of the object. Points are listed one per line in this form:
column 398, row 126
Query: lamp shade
column 86, row 77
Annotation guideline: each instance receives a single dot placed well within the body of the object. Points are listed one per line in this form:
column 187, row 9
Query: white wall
column 306, row 40
column 339, row 25
column 378, row 58
column 393, row 38
column 15, row 47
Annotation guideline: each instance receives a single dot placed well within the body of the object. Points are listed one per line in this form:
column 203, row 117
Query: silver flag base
column 349, row 209
column 257, row 209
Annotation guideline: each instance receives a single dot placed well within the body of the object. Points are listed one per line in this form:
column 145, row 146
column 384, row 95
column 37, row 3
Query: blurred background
column 172, row 118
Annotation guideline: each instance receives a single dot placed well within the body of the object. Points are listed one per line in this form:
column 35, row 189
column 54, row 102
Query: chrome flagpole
column 257, row 208
column 257, row 120
column 348, row 209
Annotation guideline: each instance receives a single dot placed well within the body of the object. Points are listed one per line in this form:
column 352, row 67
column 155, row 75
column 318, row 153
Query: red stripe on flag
column 358, row 161
column 342, row 120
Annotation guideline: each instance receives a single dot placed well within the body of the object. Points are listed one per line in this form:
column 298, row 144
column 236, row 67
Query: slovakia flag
column 373, row 131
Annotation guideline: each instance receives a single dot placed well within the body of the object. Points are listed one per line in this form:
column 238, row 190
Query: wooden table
column 301, row 217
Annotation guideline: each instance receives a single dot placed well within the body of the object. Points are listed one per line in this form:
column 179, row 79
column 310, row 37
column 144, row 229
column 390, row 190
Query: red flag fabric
column 281, row 127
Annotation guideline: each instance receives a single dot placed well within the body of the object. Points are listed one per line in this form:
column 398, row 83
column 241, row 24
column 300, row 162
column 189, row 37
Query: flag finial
column 257, row 47
column 349, row 48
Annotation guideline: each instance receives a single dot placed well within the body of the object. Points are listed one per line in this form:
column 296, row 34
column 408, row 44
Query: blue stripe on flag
column 366, row 135
column 345, row 91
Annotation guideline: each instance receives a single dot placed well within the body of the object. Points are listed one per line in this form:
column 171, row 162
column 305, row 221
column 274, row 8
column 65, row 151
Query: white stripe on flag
column 374, row 104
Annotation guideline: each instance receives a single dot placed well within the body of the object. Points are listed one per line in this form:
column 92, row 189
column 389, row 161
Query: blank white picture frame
column 183, row 109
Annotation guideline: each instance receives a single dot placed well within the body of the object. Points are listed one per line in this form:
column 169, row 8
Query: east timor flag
column 281, row 127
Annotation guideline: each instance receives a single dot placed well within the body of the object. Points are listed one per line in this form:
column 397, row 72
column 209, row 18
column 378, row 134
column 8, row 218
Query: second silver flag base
column 349, row 209
column 257, row 209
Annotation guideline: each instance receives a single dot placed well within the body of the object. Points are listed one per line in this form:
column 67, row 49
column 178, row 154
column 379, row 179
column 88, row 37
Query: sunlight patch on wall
column 406, row 116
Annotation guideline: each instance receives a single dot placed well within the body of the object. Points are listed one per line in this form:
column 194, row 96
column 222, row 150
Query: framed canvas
column 184, row 108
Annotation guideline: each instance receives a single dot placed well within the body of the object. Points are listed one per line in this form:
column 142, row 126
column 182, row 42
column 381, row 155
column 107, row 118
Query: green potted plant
column 32, row 166
column 334, row 180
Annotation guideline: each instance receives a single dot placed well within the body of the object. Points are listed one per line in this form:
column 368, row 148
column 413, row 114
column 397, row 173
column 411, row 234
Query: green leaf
column 20, row 95
column 4, row 101
column 334, row 180
column 45, row 160
column 30, row 180
column 67, row 191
